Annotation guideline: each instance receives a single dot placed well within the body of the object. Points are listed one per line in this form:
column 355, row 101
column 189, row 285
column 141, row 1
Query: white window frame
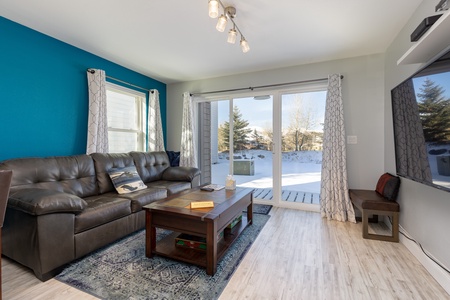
column 140, row 130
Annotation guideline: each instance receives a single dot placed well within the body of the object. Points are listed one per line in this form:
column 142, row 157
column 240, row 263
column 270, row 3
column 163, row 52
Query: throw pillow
column 381, row 183
column 388, row 186
column 126, row 180
column 174, row 158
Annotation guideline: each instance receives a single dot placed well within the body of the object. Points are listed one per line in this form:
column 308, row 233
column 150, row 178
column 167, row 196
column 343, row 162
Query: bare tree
column 268, row 136
column 302, row 120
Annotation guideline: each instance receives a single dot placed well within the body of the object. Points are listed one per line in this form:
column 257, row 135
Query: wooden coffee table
column 175, row 215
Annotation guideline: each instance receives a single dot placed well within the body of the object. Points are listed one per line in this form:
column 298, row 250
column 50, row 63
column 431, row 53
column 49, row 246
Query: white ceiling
column 175, row 40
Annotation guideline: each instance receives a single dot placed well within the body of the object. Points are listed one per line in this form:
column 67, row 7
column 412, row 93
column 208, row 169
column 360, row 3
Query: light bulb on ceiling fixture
column 229, row 12
column 213, row 8
column 221, row 23
column 244, row 45
column 232, row 36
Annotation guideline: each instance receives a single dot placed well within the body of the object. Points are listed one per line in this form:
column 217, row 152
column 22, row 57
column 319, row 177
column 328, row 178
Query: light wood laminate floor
column 298, row 255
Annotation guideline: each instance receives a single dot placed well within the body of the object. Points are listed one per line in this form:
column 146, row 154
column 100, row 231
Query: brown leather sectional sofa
column 62, row 208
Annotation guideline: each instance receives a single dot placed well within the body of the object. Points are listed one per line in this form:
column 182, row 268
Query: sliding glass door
column 271, row 143
column 253, row 144
column 241, row 139
column 302, row 119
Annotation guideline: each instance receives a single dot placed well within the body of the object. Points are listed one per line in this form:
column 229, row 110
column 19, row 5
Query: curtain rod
column 263, row 86
column 92, row 71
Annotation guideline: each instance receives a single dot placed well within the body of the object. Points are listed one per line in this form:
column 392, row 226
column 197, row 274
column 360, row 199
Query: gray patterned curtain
column 155, row 130
column 410, row 149
column 188, row 153
column 335, row 202
column 97, row 136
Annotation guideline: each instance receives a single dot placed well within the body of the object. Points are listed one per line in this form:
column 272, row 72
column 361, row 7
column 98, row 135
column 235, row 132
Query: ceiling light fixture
column 232, row 36
column 229, row 13
column 213, row 7
column 244, row 45
column 221, row 23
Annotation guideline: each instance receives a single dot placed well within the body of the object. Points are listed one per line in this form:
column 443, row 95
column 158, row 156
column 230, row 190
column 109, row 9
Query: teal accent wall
column 44, row 93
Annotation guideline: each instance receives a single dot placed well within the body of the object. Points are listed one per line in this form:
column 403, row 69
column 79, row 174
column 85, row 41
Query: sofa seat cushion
column 143, row 197
column 172, row 187
column 368, row 199
column 100, row 210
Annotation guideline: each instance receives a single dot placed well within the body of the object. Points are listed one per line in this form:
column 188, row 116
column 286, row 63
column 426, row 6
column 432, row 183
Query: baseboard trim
column 441, row 276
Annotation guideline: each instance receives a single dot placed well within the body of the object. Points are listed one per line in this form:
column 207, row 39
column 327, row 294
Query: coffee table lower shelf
column 166, row 247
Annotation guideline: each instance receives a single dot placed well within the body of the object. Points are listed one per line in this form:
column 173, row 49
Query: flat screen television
column 421, row 117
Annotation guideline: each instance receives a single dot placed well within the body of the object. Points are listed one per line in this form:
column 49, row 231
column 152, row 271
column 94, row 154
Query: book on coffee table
column 216, row 187
column 201, row 204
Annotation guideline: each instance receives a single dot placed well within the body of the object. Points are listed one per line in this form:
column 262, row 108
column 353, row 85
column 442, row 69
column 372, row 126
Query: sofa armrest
column 35, row 201
column 180, row 174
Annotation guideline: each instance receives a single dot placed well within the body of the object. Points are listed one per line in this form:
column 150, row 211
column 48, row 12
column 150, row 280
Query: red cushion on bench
column 388, row 186
column 382, row 182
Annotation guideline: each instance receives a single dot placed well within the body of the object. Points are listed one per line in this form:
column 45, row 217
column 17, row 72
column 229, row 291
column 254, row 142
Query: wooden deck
column 290, row 196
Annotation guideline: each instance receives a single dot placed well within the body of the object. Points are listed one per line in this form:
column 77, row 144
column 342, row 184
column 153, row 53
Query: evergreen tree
column 434, row 112
column 258, row 140
column 223, row 138
column 240, row 131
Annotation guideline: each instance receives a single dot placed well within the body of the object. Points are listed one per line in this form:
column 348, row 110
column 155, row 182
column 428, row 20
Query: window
column 126, row 119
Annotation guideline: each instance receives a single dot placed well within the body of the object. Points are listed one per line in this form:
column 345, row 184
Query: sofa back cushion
column 104, row 163
column 151, row 165
column 69, row 174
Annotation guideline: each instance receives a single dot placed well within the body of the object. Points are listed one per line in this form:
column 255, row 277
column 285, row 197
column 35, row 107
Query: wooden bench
column 380, row 201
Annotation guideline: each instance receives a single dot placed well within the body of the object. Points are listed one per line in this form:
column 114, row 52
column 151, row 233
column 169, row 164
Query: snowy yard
column 438, row 178
column 300, row 169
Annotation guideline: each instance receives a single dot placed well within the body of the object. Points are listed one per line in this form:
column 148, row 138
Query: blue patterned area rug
column 121, row 270
column 263, row 209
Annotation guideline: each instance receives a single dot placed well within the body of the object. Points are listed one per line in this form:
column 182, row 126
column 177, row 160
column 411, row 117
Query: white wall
column 424, row 211
column 363, row 92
